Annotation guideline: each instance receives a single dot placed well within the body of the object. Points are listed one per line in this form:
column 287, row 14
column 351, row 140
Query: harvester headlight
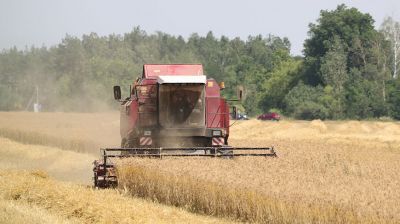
column 147, row 133
column 216, row 133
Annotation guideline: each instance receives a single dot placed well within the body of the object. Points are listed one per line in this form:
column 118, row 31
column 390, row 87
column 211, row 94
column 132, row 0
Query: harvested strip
column 86, row 204
column 14, row 212
column 37, row 138
column 61, row 164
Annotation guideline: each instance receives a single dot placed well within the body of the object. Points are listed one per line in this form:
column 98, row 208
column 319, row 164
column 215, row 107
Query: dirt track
column 60, row 164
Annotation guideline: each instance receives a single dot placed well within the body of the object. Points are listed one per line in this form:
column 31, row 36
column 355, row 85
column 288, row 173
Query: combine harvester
column 172, row 110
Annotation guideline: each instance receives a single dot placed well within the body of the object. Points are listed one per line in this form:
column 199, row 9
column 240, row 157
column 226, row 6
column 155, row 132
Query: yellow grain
column 326, row 172
column 14, row 212
column 84, row 204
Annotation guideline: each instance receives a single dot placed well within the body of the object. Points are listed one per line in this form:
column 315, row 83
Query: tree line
column 349, row 69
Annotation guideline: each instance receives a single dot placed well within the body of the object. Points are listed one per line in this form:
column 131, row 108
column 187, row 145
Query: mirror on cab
column 222, row 85
column 240, row 93
column 117, row 92
column 234, row 112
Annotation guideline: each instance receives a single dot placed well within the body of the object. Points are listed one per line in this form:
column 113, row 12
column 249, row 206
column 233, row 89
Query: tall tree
column 334, row 72
column 78, row 72
column 351, row 26
column 391, row 30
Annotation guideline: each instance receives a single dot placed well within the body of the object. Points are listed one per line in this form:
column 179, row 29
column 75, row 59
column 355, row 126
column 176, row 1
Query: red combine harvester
column 172, row 110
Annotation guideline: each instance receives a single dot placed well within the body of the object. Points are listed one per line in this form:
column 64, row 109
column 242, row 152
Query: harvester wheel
column 95, row 179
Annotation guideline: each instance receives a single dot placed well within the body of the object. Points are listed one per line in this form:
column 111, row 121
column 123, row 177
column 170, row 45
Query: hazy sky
column 38, row 22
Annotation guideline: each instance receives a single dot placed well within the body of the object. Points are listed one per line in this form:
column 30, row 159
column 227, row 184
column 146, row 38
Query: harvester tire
column 95, row 180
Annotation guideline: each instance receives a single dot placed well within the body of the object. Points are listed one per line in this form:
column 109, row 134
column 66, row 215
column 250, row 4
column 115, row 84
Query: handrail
column 217, row 151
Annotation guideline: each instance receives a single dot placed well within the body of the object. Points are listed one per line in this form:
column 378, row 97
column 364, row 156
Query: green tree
column 281, row 80
column 305, row 102
column 78, row 73
column 334, row 73
column 394, row 98
column 362, row 98
column 351, row 26
column 391, row 30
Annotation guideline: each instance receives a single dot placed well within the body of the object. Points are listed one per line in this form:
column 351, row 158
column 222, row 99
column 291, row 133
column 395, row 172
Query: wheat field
column 80, row 132
column 61, row 164
column 326, row 171
column 33, row 196
column 30, row 195
column 12, row 212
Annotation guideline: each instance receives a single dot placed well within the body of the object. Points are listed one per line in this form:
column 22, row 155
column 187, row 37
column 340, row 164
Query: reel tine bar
column 104, row 170
column 183, row 152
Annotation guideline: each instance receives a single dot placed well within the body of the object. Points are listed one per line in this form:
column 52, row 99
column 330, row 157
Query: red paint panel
column 226, row 115
column 217, row 113
column 217, row 110
column 154, row 70
column 128, row 117
column 134, row 112
column 148, row 82
column 213, row 117
column 212, row 88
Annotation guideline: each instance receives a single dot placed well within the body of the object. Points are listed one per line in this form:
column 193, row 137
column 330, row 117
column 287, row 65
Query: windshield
column 181, row 105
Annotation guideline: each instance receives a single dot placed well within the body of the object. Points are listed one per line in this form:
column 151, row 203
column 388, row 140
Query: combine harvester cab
column 172, row 110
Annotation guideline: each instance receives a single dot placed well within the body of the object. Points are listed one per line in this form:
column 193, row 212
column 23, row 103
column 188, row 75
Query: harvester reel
column 104, row 169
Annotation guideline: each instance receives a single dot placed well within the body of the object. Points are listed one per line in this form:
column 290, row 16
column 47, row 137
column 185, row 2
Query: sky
column 24, row 23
